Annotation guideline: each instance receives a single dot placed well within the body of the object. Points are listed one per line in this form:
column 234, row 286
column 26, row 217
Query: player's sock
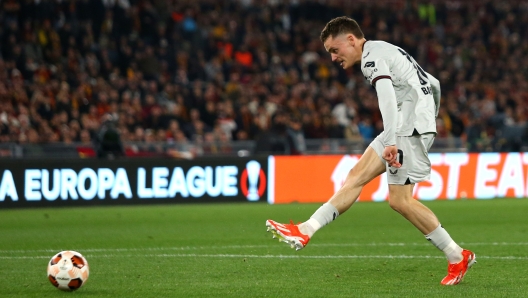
column 441, row 239
column 323, row 216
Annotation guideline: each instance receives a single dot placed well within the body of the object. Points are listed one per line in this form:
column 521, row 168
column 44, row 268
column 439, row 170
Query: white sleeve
column 375, row 70
column 388, row 108
column 435, row 85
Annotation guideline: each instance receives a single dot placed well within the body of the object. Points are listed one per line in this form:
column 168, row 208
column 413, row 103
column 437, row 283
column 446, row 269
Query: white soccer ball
column 68, row 270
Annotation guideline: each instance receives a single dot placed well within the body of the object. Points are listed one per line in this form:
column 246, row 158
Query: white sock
column 323, row 216
column 441, row 239
column 309, row 227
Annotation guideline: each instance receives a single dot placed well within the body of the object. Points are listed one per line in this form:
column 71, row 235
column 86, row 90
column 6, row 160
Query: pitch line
column 184, row 248
column 270, row 256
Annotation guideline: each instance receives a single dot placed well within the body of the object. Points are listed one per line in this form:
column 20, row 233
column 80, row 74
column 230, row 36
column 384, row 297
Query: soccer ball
column 68, row 270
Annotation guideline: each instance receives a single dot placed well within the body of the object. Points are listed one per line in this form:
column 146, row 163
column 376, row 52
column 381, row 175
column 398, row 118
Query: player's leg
column 415, row 168
column 460, row 260
column 368, row 167
column 401, row 200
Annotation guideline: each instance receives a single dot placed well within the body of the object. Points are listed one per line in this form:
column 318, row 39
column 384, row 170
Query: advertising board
column 26, row 183
column 314, row 179
column 275, row 179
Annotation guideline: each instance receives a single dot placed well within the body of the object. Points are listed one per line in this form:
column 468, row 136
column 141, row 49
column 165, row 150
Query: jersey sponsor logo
column 366, row 55
column 372, row 73
column 370, row 64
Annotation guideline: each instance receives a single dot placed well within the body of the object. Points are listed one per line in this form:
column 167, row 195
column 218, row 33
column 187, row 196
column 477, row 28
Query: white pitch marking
column 183, row 248
column 270, row 256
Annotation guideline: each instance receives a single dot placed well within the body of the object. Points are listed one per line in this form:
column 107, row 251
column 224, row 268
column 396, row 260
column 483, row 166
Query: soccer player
column 409, row 99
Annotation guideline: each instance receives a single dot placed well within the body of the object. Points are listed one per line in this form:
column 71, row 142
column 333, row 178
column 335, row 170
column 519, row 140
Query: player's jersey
column 416, row 106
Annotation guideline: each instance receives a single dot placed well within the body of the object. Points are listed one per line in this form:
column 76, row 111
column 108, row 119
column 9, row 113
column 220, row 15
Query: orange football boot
column 456, row 272
column 288, row 233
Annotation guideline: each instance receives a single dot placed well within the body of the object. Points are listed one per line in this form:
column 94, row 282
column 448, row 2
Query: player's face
column 342, row 50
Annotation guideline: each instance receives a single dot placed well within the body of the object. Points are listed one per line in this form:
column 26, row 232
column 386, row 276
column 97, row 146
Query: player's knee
column 399, row 204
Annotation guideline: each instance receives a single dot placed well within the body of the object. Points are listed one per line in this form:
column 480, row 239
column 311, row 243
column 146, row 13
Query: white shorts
column 412, row 155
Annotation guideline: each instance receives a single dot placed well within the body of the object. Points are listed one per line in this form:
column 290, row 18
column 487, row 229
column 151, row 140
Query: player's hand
column 390, row 154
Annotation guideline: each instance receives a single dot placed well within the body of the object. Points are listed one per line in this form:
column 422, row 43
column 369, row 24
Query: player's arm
column 388, row 108
column 377, row 72
column 435, row 85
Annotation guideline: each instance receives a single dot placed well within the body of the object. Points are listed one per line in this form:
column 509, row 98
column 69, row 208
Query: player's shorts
column 412, row 155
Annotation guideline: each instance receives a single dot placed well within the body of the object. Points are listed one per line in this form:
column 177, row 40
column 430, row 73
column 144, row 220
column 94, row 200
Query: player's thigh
column 400, row 193
column 368, row 167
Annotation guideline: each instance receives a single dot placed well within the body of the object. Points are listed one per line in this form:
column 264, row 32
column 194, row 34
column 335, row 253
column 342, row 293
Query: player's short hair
column 341, row 25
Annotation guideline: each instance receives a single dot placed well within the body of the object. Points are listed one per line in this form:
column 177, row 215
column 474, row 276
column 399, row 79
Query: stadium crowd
column 179, row 71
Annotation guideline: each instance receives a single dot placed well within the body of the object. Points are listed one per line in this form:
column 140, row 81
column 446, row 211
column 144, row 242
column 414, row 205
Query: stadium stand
column 186, row 78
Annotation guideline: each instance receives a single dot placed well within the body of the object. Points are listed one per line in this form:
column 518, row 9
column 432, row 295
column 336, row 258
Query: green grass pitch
column 223, row 250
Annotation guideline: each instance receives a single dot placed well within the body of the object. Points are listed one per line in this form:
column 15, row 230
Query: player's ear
column 351, row 39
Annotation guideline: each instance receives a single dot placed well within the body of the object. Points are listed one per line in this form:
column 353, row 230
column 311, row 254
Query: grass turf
column 222, row 250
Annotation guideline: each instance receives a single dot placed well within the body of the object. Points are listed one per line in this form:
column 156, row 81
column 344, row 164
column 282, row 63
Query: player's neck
column 359, row 50
column 362, row 44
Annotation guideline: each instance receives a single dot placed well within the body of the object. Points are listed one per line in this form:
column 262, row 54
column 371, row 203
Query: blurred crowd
column 187, row 71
